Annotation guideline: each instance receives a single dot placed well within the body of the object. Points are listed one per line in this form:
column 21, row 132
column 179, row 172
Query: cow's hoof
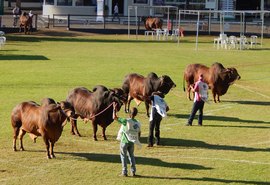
column 95, row 139
column 22, row 149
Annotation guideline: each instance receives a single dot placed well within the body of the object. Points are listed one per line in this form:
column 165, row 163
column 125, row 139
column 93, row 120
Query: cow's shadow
column 206, row 179
column 246, row 102
column 219, row 118
column 204, row 145
column 113, row 158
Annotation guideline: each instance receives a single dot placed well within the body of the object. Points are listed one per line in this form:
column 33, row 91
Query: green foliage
column 231, row 147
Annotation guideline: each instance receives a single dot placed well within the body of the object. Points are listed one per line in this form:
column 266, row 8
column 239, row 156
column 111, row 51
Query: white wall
column 75, row 10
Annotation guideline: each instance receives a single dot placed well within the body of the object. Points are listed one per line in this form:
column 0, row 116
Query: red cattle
column 151, row 23
column 26, row 23
column 217, row 77
column 140, row 88
column 46, row 121
column 96, row 105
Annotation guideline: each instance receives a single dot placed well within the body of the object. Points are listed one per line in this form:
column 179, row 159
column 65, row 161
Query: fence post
column 36, row 17
column 104, row 21
column 68, row 25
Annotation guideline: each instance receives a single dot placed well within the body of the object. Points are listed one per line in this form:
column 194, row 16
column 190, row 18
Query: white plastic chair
column 243, row 43
column 221, row 41
column 175, row 34
column 232, row 42
column 253, row 41
column 2, row 39
column 159, row 33
column 165, row 34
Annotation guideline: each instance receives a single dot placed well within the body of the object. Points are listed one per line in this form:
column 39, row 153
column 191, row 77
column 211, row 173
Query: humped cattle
column 141, row 88
column 46, row 121
column 26, row 23
column 152, row 23
column 96, row 105
column 216, row 76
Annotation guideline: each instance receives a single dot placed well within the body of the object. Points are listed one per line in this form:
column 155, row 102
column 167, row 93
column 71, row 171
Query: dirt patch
column 61, row 32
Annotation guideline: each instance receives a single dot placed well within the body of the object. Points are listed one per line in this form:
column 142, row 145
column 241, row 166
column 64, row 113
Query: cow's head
column 230, row 75
column 120, row 94
column 67, row 108
column 166, row 84
column 111, row 96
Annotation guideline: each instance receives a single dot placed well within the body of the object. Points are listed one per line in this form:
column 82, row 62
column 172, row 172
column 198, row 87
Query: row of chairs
column 233, row 42
column 158, row 34
column 164, row 34
column 2, row 39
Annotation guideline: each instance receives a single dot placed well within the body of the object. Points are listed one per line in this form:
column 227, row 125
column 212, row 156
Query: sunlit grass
column 231, row 147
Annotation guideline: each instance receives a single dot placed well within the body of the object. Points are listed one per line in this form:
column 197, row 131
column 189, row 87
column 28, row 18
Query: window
column 158, row 2
column 64, row 2
column 49, row 2
column 85, row 2
column 140, row 1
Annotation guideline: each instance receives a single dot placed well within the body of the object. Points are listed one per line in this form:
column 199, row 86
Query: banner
column 100, row 11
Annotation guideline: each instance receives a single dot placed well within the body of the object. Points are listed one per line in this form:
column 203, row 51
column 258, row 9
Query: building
column 89, row 7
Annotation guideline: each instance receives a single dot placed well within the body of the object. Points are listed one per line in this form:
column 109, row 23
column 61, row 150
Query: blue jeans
column 198, row 105
column 127, row 148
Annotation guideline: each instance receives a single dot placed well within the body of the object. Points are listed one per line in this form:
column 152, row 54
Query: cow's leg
column 218, row 98
column 47, row 144
column 128, row 103
column 188, row 92
column 21, row 134
column 214, row 96
column 15, row 136
column 51, row 150
column 95, row 128
column 74, row 129
column 104, row 133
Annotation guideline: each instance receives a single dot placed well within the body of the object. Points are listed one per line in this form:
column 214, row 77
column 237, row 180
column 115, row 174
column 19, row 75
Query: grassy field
column 233, row 146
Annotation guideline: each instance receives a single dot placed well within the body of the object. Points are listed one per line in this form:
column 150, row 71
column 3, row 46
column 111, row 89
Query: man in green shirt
column 129, row 134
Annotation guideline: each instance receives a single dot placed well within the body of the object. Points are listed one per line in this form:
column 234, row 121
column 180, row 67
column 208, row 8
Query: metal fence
column 108, row 24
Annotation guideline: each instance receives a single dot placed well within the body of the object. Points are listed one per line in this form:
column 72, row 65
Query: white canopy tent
column 221, row 15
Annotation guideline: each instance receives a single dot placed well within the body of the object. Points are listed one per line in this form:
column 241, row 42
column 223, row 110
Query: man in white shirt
column 159, row 109
column 116, row 12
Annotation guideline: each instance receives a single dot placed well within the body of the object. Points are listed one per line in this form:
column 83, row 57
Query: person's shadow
column 113, row 158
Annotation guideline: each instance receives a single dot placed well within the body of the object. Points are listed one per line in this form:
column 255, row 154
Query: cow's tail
column 184, row 88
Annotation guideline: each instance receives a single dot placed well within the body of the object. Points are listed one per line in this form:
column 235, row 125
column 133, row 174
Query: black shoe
column 150, row 145
column 188, row 124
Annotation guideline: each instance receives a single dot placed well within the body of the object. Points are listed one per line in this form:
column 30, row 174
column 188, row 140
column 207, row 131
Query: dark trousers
column 198, row 105
column 154, row 125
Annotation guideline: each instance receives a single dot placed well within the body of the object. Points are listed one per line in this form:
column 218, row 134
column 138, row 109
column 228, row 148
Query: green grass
column 232, row 147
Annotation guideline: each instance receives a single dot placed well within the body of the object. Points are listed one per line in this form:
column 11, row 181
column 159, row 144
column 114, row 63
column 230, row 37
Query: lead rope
column 87, row 119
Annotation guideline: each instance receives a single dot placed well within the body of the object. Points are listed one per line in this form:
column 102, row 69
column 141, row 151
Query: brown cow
column 151, row 23
column 140, row 88
column 46, row 121
column 96, row 105
column 217, row 77
column 26, row 23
